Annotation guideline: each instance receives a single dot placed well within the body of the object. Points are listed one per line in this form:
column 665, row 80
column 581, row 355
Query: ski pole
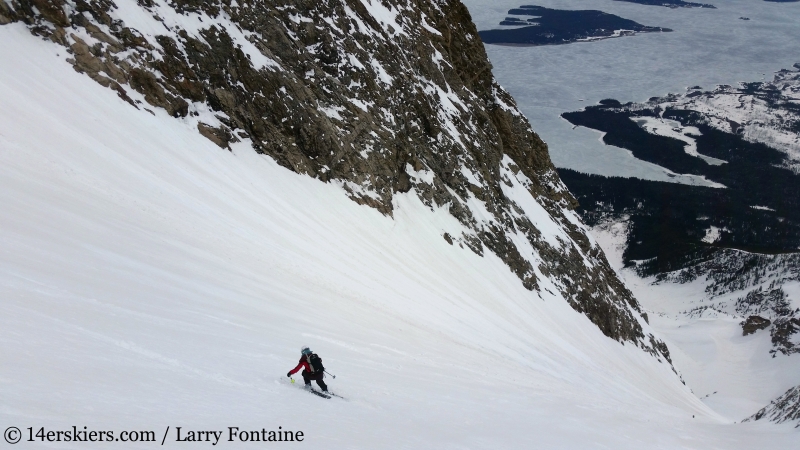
column 334, row 376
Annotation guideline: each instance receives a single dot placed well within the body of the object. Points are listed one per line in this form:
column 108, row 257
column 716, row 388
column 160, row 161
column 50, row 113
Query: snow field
column 148, row 278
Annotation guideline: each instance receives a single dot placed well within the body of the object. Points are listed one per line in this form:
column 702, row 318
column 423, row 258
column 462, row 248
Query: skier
column 312, row 369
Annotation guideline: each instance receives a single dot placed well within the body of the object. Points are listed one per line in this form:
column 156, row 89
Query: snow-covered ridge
column 365, row 94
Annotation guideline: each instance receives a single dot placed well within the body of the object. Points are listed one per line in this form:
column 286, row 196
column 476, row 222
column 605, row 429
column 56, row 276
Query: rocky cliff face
column 378, row 96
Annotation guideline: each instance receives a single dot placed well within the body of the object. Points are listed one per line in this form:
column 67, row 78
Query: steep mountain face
column 379, row 97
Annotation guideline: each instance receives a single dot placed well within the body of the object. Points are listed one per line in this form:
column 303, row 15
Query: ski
column 311, row 390
column 318, row 393
column 335, row 395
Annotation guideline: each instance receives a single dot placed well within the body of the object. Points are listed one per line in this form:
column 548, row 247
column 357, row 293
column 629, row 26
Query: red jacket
column 302, row 364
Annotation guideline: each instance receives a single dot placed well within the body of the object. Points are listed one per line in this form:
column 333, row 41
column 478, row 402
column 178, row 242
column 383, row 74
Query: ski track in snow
column 149, row 278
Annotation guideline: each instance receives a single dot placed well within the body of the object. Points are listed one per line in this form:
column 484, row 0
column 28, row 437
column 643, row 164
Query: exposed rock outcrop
column 378, row 96
column 785, row 335
column 785, row 408
column 753, row 324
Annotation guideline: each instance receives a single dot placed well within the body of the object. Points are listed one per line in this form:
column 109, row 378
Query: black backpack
column 316, row 363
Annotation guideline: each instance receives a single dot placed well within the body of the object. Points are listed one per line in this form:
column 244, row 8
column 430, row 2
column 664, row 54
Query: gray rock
column 753, row 324
column 783, row 334
column 785, row 408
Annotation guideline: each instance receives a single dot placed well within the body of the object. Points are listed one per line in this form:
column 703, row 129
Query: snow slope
column 149, row 278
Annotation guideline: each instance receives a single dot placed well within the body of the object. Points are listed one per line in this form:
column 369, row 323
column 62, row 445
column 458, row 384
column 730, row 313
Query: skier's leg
column 322, row 384
column 307, row 378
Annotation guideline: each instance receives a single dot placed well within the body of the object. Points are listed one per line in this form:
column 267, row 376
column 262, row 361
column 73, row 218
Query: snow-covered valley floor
column 733, row 374
column 149, row 279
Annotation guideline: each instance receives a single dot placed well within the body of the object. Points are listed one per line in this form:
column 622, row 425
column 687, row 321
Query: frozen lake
column 706, row 48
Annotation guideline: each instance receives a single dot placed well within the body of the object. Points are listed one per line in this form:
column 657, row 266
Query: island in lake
column 555, row 26
column 677, row 3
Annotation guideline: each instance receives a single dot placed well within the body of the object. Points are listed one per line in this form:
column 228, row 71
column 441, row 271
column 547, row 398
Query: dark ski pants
column 307, row 377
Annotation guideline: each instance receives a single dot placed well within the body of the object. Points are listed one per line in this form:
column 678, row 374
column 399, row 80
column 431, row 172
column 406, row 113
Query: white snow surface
column 149, row 278
column 675, row 130
column 387, row 17
column 713, row 234
column 136, row 17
